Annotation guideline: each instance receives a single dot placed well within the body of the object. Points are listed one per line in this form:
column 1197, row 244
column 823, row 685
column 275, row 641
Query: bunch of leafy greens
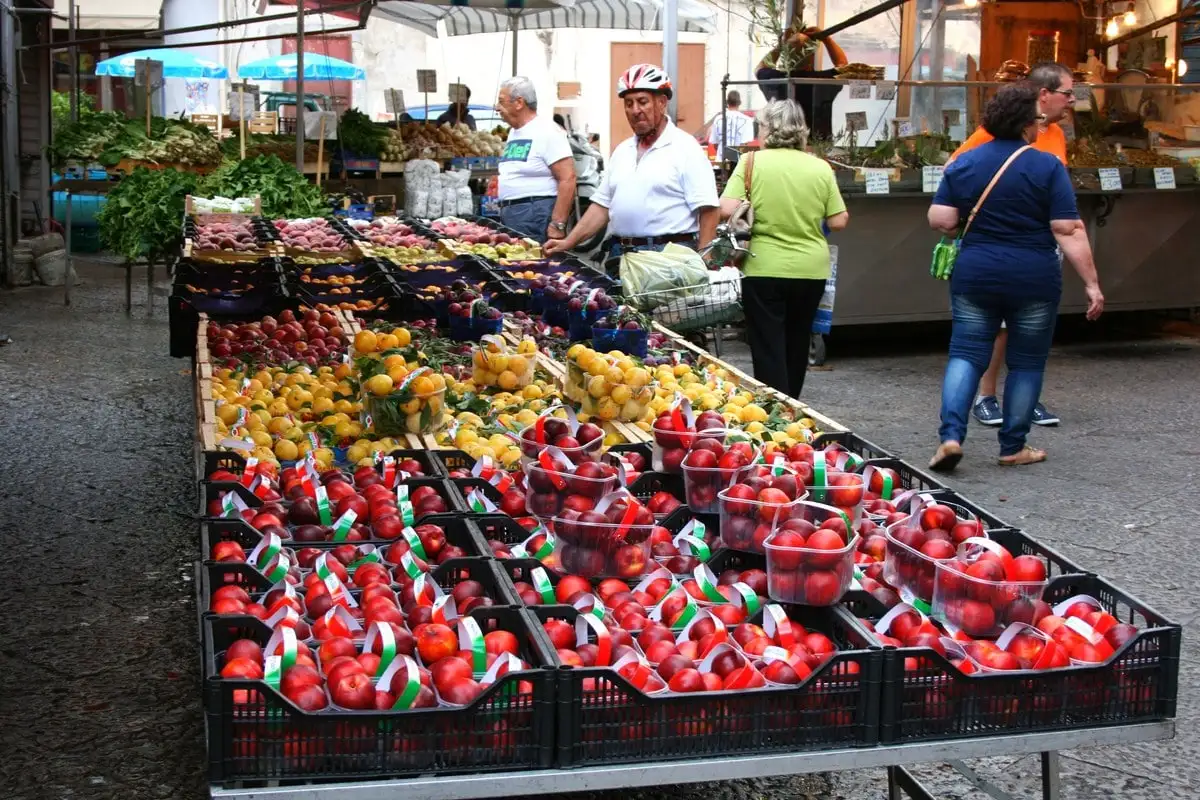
column 270, row 144
column 60, row 108
column 141, row 218
column 108, row 137
column 284, row 191
column 359, row 136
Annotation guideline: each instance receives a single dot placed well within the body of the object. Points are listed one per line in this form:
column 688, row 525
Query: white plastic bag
column 435, row 204
column 650, row 278
column 420, row 205
column 465, row 201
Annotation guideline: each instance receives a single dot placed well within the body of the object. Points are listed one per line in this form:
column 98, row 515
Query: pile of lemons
column 424, row 390
column 609, row 386
column 495, row 364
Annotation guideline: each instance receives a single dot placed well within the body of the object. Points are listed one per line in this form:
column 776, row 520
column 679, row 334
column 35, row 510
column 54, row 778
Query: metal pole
column 300, row 88
column 671, row 51
column 514, row 44
column 73, row 55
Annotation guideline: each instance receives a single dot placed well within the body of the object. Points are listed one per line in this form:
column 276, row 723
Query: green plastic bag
column 945, row 253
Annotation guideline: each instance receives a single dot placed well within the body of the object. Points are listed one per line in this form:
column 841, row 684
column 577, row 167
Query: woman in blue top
column 1007, row 270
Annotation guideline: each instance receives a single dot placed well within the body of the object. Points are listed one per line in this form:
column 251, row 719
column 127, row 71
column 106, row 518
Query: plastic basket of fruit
column 716, row 459
column 578, row 441
column 810, row 558
column 1128, row 674
column 414, row 405
column 342, row 717
column 611, row 539
column 626, row 711
column 556, row 483
column 495, row 363
column 607, row 387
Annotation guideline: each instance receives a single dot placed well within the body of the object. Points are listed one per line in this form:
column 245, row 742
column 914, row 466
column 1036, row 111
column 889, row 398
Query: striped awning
column 491, row 16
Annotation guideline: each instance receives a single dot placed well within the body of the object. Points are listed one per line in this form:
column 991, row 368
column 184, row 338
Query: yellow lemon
column 366, row 342
column 402, row 336
column 597, row 386
column 531, row 392
column 607, row 409
column 227, row 413
column 380, row 385
column 507, row 380
column 527, row 346
column 394, row 360
column 385, row 341
column 753, row 413
column 261, row 438
column 510, row 457
column 343, row 407
column 322, row 405
column 755, row 428
column 614, row 375
column 397, row 373
column 518, row 364
column 621, row 394
column 286, row 451
column 422, row 386
column 342, row 371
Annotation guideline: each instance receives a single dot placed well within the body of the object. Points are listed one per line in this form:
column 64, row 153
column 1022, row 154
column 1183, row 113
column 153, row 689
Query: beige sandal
column 1027, row 455
column 947, row 457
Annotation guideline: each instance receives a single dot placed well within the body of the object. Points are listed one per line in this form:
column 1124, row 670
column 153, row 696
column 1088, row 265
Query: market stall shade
column 177, row 63
column 316, row 67
column 493, row 16
column 98, row 15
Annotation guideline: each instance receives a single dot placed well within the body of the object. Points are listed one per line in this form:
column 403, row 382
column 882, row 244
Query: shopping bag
column 823, row 321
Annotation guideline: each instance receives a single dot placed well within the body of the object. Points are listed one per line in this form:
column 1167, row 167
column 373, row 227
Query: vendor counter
column 1146, row 243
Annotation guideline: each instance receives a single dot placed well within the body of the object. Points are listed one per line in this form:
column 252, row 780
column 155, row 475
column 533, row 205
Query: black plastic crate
column 429, row 465
column 852, row 442
column 463, row 486
column 459, row 532
column 212, row 460
column 450, row 460
column 910, row 476
column 600, row 714
column 211, row 491
column 932, row 699
column 495, row 581
column 257, row 736
column 649, row 484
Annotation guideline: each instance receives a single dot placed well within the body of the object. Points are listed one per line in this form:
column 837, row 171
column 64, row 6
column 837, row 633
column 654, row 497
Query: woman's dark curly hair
column 1011, row 111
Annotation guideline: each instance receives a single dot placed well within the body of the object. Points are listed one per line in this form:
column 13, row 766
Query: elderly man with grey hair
column 537, row 172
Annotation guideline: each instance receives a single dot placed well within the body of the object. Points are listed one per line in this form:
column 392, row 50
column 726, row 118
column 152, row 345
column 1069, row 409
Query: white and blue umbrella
column 316, row 67
column 177, row 63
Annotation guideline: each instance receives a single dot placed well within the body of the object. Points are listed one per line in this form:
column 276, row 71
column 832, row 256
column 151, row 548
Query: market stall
column 474, row 526
column 1133, row 134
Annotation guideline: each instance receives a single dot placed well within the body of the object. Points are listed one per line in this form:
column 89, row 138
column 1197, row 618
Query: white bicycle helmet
column 644, row 78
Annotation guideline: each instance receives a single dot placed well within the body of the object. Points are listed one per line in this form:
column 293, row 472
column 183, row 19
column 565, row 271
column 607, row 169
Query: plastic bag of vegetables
column 651, row 278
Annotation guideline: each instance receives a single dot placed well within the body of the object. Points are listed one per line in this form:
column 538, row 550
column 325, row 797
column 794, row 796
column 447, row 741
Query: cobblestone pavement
column 99, row 679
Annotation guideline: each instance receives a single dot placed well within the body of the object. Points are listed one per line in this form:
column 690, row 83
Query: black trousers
column 779, row 318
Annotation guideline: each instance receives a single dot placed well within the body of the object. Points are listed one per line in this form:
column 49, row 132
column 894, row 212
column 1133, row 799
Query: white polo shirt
column 661, row 194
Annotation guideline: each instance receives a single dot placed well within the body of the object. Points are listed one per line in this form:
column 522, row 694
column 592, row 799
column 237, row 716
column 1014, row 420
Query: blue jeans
column 977, row 319
column 530, row 218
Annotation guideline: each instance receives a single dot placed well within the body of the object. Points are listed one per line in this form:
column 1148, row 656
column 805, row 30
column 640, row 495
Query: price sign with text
column 877, row 181
column 394, row 100
column 860, row 90
column 931, row 178
column 1164, row 178
column 427, row 81
column 458, row 92
column 1083, row 92
column 1110, row 179
column 885, row 90
column 856, row 120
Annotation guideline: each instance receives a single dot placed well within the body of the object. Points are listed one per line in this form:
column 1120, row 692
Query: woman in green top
column 792, row 193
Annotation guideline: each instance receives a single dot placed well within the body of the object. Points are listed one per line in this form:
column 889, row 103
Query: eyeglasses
column 1063, row 92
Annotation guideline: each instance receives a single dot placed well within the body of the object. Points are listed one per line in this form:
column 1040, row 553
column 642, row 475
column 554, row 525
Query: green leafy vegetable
column 284, row 191
column 359, row 136
column 142, row 214
column 108, row 137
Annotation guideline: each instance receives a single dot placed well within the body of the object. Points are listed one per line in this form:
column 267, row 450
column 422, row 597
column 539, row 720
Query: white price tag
column 427, row 81
column 860, row 90
column 457, row 92
column 885, row 90
column 856, row 120
column 1110, row 179
column 1164, row 178
column 931, row 178
column 877, row 181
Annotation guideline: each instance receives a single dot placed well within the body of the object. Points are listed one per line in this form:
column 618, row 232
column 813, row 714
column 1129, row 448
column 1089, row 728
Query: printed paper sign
column 885, row 90
column 856, row 120
column 860, row 90
column 394, row 100
column 1110, row 179
column 457, row 92
column 1164, row 178
column 427, row 80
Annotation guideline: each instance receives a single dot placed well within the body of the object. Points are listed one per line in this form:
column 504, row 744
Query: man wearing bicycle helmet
column 659, row 186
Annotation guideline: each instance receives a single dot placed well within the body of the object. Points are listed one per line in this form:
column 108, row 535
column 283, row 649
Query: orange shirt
column 1052, row 140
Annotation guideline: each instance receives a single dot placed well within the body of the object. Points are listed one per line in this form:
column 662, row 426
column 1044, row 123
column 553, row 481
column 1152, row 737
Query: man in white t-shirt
column 537, row 171
column 739, row 128
column 659, row 185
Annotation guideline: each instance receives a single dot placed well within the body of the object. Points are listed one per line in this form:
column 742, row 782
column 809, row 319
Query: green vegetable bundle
column 359, row 136
column 108, row 137
column 284, row 191
column 142, row 214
